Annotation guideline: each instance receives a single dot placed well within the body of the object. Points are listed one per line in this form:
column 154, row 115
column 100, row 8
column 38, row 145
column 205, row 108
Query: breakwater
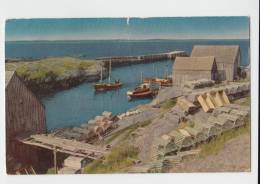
column 129, row 60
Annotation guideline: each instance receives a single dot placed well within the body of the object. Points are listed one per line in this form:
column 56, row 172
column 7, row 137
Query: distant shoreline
column 130, row 40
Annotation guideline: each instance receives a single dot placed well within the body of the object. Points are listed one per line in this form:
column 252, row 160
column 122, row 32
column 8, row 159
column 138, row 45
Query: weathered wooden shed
column 25, row 115
column 194, row 68
column 227, row 58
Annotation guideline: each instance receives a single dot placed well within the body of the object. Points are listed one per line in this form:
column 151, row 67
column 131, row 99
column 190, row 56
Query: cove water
column 79, row 104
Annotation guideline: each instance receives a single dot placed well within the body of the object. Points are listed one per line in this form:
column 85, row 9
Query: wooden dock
column 71, row 147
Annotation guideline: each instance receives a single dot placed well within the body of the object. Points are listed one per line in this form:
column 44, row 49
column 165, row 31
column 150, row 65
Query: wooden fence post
column 55, row 160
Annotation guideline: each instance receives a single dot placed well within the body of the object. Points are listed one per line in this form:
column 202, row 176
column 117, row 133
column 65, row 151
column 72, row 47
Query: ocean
column 79, row 104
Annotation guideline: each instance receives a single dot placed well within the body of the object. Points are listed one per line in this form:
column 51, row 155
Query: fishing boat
column 142, row 91
column 145, row 90
column 102, row 86
column 167, row 82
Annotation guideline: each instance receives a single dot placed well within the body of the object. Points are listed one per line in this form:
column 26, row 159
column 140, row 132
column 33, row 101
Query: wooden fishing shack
column 25, row 116
column 227, row 58
column 194, row 68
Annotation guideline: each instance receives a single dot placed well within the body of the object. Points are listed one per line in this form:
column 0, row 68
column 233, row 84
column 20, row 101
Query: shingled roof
column 194, row 63
column 222, row 53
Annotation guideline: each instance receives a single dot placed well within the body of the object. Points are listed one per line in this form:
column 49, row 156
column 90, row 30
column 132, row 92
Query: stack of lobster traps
column 203, row 129
column 90, row 131
column 231, row 116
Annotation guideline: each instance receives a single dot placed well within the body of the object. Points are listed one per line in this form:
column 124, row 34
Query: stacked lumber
column 213, row 99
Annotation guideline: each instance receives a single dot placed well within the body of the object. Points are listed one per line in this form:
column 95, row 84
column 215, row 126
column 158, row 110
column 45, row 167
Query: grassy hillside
column 119, row 159
column 51, row 67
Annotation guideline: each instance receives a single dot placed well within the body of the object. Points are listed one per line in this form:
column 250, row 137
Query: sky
column 128, row 28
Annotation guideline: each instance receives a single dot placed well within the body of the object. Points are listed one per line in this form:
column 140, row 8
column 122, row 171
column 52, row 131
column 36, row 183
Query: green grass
column 50, row 67
column 168, row 104
column 126, row 132
column 119, row 159
column 217, row 144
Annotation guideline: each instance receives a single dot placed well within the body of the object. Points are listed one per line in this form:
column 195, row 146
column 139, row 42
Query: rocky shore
column 53, row 74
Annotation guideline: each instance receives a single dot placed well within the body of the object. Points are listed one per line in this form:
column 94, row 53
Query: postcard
column 127, row 95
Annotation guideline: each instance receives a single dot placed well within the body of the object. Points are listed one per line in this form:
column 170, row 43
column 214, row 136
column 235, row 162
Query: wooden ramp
column 71, row 147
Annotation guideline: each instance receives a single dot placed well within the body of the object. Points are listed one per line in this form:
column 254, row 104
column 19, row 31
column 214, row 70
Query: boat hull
column 146, row 94
column 106, row 87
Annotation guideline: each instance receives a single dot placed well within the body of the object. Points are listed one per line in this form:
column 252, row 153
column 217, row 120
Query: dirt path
column 147, row 139
column 235, row 157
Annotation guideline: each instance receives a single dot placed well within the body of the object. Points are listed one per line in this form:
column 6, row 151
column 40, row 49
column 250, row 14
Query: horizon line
column 131, row 39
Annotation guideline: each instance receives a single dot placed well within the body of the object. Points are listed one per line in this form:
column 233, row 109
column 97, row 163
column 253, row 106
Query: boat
column 142, row 91
column 102, row 86
column 108, row 86
column 167, row 82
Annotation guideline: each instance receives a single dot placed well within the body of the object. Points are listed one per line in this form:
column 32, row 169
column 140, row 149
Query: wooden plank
column 203, row 104
column 65, row 143
column 66, row 146
column 224, row 97
column 59, row 150
column 210, row 102
column 219, row 101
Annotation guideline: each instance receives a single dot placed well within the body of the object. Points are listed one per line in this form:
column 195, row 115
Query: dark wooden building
column 227, row 58
column 194, row 68
column 25, row 115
